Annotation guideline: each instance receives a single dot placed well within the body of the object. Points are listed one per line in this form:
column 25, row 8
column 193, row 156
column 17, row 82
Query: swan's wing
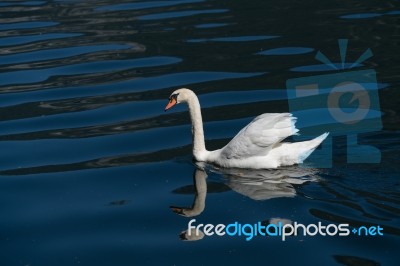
column 258, row 137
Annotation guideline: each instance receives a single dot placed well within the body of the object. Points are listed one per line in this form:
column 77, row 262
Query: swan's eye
column 173, row 97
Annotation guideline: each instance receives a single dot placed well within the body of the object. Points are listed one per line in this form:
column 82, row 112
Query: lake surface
column 90, row 163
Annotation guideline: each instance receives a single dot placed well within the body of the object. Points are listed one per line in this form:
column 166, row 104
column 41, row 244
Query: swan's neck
column 199, row 147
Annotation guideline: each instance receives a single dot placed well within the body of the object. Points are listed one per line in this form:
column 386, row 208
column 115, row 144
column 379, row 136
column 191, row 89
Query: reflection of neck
column 199, row 147
column 201, row 190
column 199, row 203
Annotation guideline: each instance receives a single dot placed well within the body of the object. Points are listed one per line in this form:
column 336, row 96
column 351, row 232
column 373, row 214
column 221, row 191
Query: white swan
column 257, row 146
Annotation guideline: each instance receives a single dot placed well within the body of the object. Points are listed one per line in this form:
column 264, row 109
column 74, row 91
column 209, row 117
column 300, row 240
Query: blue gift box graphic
column 345, row 103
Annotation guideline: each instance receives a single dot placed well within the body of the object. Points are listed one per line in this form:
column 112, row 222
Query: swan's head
column 179, row 96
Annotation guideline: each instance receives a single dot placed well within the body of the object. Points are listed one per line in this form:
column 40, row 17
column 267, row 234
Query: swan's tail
column 305, row 148
column 297, row 152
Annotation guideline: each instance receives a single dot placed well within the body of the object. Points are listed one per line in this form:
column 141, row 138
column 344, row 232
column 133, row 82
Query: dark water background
column 90, row 163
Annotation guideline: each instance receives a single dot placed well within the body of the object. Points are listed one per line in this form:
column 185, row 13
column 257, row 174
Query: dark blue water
column 90, row 163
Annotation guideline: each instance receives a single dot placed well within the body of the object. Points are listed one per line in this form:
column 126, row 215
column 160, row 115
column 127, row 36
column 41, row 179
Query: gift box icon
column 345, row 103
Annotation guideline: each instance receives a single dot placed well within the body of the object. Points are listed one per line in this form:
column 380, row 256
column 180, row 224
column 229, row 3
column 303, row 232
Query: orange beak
column 171, row 103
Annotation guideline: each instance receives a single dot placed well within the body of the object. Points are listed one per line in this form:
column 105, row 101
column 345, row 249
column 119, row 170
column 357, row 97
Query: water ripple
column 323, row 67
column 361, row 15
column 51, row 54
column 287, row 51
column 211, row 25
column 138, row 85
column 180, row 14
column 369, row 15
column 122, row 160
column 32, row 76
column 145, row 5
column 27, row 25
column 234, row 39
column 17, row 40
column 26, row 3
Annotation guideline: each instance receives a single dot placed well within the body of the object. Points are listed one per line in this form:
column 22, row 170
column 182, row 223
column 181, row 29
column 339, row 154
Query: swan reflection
column 255, row 184
column 269, row 183
column 199, row 203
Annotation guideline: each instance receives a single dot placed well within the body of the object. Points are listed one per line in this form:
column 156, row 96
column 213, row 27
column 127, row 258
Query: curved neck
column 199, row 148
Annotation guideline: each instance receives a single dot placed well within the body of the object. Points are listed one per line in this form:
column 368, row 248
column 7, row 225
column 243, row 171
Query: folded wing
column 260, row 136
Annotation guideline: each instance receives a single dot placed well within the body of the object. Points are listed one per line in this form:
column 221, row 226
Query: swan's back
column 260, row 136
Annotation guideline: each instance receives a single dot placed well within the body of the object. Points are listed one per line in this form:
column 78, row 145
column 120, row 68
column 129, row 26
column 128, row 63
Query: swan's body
column 256, row 146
